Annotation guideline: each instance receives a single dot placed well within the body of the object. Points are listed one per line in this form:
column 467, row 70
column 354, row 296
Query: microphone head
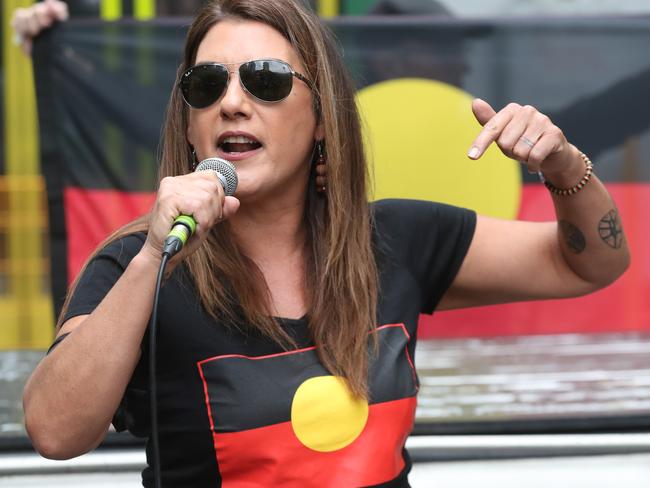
column 225, row 171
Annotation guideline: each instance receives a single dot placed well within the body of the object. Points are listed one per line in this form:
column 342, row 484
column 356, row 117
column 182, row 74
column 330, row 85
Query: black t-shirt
column 235, row 409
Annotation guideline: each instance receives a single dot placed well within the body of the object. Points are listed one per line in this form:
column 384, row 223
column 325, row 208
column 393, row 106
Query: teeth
column 238, row 140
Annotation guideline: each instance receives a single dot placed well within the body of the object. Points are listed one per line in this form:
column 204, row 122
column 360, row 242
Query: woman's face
column 270, row 143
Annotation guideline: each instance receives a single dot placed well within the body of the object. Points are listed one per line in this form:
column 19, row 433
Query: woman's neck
column 267, row 231
column 275, row 240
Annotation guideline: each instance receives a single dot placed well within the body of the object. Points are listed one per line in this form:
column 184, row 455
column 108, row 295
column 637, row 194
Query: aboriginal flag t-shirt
column 237, row 410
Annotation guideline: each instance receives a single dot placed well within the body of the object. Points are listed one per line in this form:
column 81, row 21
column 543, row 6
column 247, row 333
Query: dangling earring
column 195, row 161
column 321, row 168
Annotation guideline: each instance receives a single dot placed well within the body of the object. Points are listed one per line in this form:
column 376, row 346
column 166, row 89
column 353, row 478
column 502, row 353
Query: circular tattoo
column 610, row 229
column 575, row 240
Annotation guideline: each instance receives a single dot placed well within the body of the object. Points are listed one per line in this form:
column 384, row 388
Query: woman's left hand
column 524, row 134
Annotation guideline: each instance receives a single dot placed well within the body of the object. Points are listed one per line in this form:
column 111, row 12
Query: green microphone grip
column 183, row 228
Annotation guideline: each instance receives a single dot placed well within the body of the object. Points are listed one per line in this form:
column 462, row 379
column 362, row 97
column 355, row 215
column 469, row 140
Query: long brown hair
column 341, row 273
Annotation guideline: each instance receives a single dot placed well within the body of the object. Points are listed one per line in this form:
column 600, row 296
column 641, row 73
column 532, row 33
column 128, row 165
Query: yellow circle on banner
column 417, row 133
column 325, row 416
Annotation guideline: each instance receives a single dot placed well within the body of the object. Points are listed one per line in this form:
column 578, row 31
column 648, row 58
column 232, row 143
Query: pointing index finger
column 491, row 132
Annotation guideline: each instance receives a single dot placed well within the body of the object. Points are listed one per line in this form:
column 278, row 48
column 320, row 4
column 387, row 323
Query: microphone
column 184, row 226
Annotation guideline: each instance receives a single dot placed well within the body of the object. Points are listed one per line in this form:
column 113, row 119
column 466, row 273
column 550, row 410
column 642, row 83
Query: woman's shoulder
column 398, row 210
column 399, row 223
column 123, row 248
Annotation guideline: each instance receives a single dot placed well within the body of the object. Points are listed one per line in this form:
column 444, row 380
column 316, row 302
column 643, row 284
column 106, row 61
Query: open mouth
column 238, row 144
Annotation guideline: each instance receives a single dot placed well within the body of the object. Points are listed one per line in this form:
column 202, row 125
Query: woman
column 287, row 325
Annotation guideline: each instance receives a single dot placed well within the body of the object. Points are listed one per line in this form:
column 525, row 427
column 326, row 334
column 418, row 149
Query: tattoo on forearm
column 575, row 240
column 611, row 230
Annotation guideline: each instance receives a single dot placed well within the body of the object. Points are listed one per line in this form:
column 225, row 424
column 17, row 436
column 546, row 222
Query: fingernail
column 473, row 152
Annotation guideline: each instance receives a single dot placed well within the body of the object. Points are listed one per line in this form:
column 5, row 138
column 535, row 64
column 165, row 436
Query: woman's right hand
column 200, row 195
column 29, row 22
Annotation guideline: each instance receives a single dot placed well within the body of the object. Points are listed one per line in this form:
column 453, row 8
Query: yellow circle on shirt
column 417, row 133
column 325, row 416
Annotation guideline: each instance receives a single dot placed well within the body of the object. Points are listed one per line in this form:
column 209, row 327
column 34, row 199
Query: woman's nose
column 235, row 101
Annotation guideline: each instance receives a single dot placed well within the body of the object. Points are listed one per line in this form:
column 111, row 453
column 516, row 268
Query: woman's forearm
column 590, row 232
column 72, row 395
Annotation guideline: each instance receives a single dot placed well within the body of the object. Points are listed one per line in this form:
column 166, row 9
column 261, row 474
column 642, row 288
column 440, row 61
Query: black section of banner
column 247, row 393
column 53, row 166
column 111, row 82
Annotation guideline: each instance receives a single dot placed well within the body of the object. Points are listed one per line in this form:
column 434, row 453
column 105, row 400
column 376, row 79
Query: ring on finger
column 527, row 141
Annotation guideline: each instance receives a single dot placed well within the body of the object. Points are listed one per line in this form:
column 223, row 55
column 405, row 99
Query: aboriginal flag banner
column 102, row 90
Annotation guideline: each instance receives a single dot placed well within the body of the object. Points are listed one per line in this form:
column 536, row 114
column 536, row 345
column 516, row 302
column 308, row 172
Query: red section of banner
column 91, row 215
column 620, row 307
column 370, row 459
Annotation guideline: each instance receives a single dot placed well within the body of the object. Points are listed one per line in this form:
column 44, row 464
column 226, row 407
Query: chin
column 248, row 192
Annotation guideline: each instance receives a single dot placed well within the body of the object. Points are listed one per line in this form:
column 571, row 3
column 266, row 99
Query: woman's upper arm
column 511, row 260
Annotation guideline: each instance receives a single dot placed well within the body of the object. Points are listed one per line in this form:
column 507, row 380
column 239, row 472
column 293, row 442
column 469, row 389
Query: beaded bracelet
column 576, row 188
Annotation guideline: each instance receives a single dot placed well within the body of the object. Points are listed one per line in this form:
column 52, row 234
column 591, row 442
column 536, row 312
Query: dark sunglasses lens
column 267, row 79
column 203, row 85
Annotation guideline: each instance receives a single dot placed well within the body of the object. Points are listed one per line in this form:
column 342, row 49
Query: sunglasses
column 268, row 80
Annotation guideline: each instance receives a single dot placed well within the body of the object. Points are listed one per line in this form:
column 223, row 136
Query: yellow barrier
column 114, row 9
column 110, row 9
column 144, row 9
column 25, row 304
column 25, row 300
column 328, row 8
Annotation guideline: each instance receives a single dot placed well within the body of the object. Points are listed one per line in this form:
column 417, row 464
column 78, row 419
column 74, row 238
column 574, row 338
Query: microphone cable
column 153, row 401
